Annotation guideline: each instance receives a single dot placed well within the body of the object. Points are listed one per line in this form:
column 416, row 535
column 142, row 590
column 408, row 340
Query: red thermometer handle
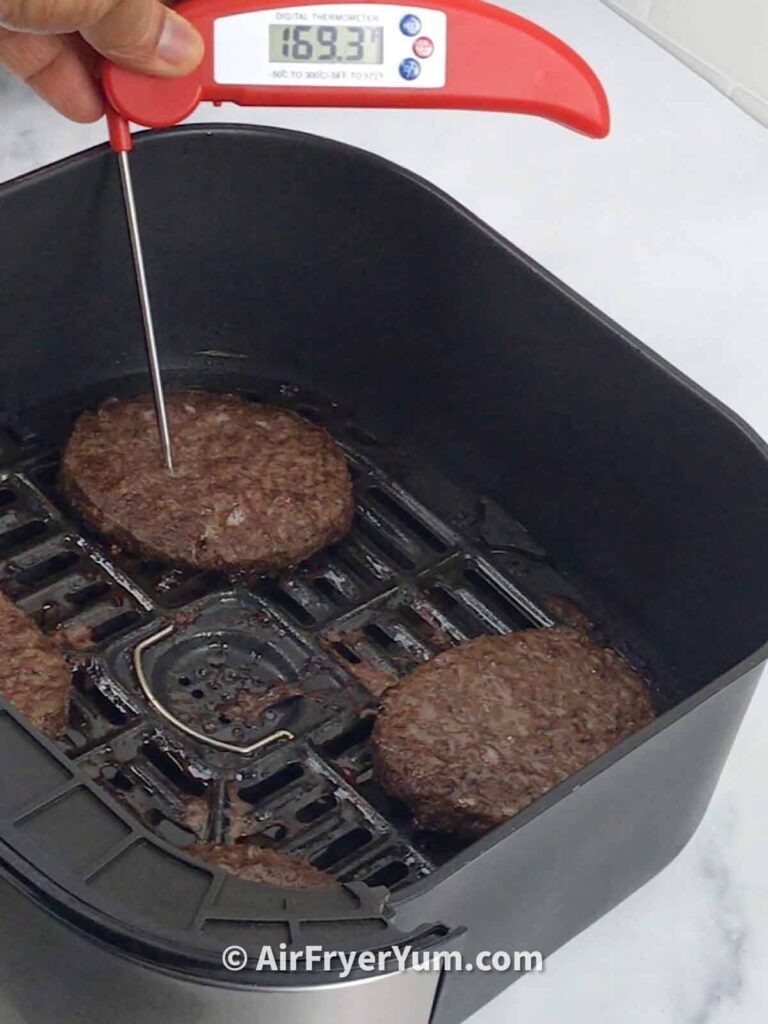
column 455, row 54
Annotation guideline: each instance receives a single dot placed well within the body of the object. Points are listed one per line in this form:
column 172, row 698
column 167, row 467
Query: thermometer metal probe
column 161, row 410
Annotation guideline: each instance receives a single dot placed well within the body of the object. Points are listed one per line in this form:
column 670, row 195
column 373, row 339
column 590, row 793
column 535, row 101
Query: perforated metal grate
column 425, row 567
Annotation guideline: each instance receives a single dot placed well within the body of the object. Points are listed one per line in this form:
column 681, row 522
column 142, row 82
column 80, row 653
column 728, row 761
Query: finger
column 146, row 36
column 57, row 68
column 140, row 34
column 51, row 16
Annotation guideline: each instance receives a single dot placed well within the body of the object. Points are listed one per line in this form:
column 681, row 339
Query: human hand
column 54, row 46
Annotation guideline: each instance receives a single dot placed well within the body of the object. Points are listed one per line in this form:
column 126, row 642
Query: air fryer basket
column 473, row 394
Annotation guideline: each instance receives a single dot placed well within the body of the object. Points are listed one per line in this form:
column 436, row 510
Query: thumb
column 145, row 36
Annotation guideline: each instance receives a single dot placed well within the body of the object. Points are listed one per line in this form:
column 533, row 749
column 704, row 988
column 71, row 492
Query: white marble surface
column 726, row 43
column 665, row 227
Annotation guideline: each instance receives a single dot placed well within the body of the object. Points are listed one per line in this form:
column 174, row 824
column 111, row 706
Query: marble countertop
column 664, row 226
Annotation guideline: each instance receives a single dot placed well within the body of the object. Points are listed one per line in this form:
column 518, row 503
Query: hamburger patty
column 269, row 867
column 34, row 676
column 473, row 736
column 256, row 487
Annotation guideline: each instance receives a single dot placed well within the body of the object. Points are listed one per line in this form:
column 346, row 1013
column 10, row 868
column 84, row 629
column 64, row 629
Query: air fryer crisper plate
column 408, row 582
column 403, row 586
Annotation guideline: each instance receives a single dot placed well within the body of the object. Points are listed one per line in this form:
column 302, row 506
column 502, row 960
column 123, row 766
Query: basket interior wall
column 328, row 267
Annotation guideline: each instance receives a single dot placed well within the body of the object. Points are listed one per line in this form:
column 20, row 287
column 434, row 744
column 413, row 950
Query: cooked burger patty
column 479, row 732
column 34, row 676
column 255, row 487
column 266, row 866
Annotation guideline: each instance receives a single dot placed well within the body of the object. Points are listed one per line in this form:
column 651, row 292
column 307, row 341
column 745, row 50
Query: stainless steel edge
column 51, row 973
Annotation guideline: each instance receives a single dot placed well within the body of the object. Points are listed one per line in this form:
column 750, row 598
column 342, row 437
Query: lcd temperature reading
column 325, row 44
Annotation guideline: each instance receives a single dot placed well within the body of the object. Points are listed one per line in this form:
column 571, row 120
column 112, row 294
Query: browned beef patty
column 34, row 676
column 266, row 866
column 473, row 736
column 256, row 487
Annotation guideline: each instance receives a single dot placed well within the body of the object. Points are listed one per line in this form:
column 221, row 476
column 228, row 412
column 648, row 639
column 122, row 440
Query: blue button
column 410, row 25
column 410, row 69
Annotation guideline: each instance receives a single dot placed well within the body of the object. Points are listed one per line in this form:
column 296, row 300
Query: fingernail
column 179, row 43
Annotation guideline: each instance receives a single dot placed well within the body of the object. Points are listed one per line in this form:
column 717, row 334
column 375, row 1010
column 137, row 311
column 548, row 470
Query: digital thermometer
column 343, row 46
column 449, row 54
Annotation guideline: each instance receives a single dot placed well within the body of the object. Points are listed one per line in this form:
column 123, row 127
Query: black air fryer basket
column 473, row 393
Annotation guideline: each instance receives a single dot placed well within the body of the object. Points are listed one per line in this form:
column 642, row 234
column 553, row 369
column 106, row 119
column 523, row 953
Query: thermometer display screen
column 326, row 44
